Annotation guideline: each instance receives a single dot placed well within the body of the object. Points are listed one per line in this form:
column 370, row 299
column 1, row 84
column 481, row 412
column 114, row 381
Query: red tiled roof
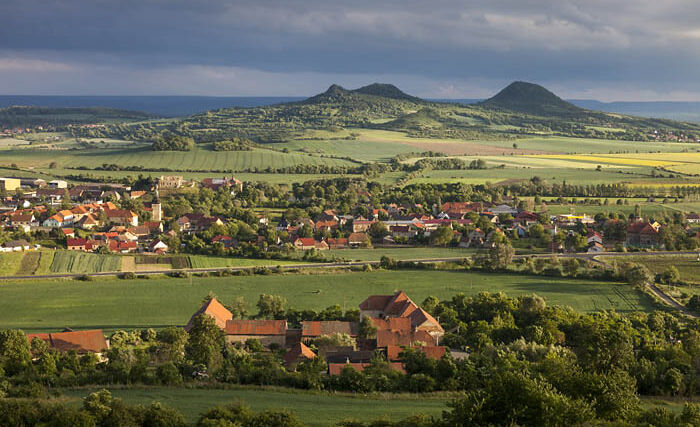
column 387, row 338
column 393, row 323
column 256, row 327
column 298, row 351
column 92, row 341
column 330, row 327
column 75, row 242
column 306, row 241
column 214, row 309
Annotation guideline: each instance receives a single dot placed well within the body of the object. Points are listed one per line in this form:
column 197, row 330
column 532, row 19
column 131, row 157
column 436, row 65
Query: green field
column 158, row 302
column 80, row 262
column 398, row 253
column 203, row 261
column 313, row 408
column 201, row 158
column 688, row 265
column 10, row 262
column 550, row 175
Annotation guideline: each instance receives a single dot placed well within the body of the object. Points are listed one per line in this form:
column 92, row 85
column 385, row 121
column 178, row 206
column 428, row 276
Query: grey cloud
column 647, row 45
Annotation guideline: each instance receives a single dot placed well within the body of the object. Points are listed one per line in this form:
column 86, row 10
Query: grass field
column 159, row 302
column 688, row 265
column 201, row 158
column 313, row 408
column 202, row 261
column 79, row 262
column 11, row 262
column 550, row 175
column 272, row 178
column 398, row 253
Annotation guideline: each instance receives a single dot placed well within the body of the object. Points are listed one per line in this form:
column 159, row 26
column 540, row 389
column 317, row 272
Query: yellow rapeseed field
column 612, row 159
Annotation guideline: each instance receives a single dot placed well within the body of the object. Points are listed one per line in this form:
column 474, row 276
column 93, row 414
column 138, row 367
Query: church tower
column 156, row 214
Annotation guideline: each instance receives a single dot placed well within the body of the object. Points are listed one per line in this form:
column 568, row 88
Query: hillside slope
column 530, row 98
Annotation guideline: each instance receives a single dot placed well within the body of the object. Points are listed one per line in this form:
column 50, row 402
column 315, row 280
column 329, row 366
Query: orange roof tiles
column 256, row 327
column 92, row 341
column 214, row 309
column 319, row 328
column 298, row 351
column 393, row 323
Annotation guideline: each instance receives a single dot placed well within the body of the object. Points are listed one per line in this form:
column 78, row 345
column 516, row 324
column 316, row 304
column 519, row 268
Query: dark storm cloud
column 438, row 47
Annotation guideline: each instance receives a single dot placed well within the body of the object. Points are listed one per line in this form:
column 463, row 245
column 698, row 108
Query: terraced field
column 29, row 264
column 79, row 262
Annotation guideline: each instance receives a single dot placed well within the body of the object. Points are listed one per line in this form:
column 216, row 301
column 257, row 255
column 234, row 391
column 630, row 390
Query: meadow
column 202, row 158
column 550, row 175
column 398, row 253
column 312, row 407
column 114, row 304
column 203, row 261
column 688, row 265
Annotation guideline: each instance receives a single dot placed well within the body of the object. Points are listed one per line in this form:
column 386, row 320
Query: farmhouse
column 122, row 217
column 16, row 246
column 315, row 329
column 361, row 226
column 296, row 354
column 400, row 305
column 337, row 243
column 358, row 240
column 195, row 222
column 158, row 246
column 304, row 243
column 214, row 309
column 92, row 341
column 643, row 234
column 266, row 331
column 61, row 219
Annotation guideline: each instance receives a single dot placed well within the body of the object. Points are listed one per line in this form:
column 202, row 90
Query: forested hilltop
column 519, row 110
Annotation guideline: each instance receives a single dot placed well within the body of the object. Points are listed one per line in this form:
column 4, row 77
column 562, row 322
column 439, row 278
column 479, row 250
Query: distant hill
column 28, row 116
column 163, row 106
column 336, row 93
column 530, row 98
column 387, row 91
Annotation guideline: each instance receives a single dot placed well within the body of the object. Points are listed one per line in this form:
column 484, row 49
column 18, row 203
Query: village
column 95, row 217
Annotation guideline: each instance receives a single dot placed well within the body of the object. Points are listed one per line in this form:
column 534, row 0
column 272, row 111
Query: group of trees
column 529, row 363
column 233, row 144
column 170, row 142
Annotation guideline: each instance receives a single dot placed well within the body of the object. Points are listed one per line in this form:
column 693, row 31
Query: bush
column 127, row 276
column 84, row 278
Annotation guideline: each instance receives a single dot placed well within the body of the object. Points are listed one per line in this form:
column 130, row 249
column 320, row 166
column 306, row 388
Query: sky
column 610, row 50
